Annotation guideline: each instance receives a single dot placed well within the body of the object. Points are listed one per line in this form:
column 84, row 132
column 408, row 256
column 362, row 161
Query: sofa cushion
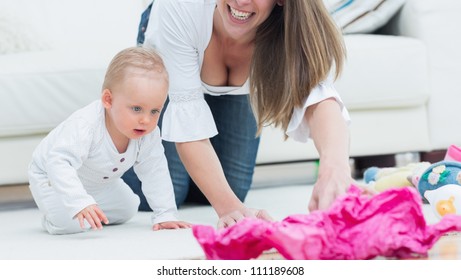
column 384, row 72
column 47, row 86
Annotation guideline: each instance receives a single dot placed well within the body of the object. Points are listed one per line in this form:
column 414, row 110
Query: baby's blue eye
column 155, row 111
column 136, row 108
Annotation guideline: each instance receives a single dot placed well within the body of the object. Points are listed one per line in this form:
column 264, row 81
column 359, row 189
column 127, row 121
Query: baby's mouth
column 139, row 131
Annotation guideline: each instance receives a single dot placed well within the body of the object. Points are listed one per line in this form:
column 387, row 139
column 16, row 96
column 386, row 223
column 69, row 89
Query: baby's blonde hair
column 140, row 58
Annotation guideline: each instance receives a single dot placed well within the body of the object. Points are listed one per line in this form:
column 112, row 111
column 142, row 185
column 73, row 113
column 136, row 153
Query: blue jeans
column 235, row 145
column 143, row 25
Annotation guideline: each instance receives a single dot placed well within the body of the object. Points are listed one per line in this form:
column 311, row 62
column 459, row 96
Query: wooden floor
column 14, row 192
column 448, row 247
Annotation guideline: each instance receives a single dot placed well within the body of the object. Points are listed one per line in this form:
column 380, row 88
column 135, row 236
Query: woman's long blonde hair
column 295, row 49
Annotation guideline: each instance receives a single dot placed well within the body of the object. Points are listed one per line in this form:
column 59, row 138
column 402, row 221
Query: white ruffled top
column 181, row 30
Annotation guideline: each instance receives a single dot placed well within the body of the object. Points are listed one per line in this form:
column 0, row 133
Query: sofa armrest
column 436, row 23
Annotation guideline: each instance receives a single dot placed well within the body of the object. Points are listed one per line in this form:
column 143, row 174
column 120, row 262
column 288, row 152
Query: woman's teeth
column 239, row 14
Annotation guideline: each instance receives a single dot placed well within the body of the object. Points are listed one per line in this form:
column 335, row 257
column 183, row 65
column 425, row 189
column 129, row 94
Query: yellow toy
column 381, row 179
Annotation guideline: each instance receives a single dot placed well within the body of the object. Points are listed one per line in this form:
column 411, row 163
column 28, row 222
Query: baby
column 75, row 173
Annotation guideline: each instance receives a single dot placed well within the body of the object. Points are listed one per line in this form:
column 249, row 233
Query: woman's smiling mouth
column 239, row 15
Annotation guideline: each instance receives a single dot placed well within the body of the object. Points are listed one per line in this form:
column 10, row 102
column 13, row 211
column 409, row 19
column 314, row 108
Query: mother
column 258, row 62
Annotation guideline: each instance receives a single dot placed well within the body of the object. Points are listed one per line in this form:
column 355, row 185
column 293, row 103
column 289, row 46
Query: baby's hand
column 171, row 225
column 93, row 215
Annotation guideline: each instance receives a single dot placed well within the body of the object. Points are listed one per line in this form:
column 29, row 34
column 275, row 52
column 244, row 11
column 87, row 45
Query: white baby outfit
column 77, row 165
column 181, row 31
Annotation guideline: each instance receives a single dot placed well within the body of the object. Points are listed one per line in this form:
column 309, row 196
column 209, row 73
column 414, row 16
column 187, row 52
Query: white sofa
column 436, row 24
column 400, row 90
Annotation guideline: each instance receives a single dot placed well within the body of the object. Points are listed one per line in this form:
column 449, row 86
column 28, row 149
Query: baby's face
column 136, row 104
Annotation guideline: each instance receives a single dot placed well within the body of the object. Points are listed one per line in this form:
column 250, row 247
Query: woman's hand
column 333, row 180
column 238, row 215
column 330, row 133
column 93, row 215
column 171, row 225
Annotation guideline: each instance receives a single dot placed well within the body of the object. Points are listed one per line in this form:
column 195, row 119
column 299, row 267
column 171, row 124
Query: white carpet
column 22, row 238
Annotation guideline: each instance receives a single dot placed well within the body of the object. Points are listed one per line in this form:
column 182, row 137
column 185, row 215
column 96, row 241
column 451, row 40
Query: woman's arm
column 204, row 167
column 330, row 133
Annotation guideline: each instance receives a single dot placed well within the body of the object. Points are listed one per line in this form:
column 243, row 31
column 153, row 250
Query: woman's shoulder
column 187, row 9
column 184, row 19
column 195, row 4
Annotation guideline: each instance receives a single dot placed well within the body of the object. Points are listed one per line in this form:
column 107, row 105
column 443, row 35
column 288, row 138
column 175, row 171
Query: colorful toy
column 410, row 175
column 438, row 175
column 445, row 200
column 453, row 153
column 439, row 184
column 381, row 179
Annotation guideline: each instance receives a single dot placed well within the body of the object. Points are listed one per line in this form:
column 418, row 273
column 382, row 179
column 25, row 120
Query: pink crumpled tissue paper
column 357, row 226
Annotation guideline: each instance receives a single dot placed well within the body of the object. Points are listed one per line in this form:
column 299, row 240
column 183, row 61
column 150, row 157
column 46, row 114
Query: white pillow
column 362, row 16
column 16, row 34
